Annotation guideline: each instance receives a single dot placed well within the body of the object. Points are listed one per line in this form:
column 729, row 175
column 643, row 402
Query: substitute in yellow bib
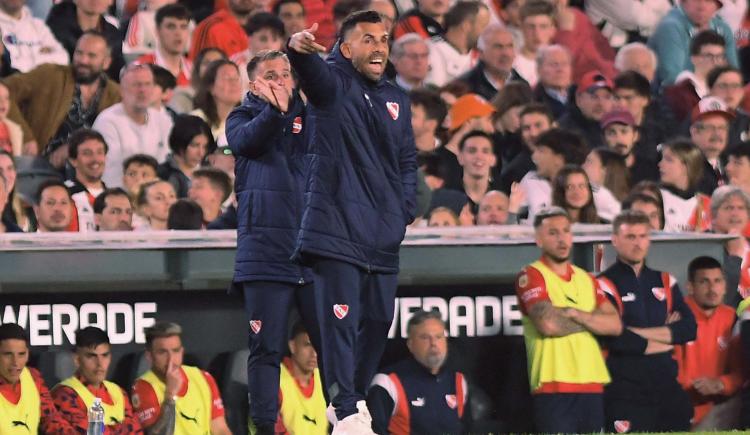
column 173, row 398
column 25, row 404
column 563, row 310
column 301, row 402
column 75, row 395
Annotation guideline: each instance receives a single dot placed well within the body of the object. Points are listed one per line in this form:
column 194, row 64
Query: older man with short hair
column 410, row 56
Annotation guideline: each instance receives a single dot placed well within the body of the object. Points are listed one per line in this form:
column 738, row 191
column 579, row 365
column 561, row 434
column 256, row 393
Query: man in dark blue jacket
column 644, row 395
column 265, row 134
column 359, row 197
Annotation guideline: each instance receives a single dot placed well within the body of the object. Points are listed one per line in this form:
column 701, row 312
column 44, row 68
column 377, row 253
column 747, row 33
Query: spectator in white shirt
column 28, row 40
column 450, row 56
column 539, row 29
column 133, row 126
column 623, row 20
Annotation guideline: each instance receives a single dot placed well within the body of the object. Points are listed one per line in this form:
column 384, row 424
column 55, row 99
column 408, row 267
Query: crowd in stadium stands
column 113, row 117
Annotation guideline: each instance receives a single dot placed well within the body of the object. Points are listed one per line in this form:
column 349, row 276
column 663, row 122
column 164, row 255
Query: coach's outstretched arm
column 315, row 76
column 249, row 134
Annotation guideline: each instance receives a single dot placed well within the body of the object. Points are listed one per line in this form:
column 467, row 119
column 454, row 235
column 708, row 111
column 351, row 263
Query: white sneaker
column 355, row 424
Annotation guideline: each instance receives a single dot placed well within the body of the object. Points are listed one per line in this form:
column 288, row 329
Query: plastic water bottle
column 96, row 418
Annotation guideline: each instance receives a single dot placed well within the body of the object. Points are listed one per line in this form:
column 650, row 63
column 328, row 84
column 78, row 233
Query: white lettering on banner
column 465, row 316
column 52, row 324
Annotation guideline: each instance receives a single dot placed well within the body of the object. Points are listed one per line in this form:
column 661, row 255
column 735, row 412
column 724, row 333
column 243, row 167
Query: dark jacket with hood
column 269, row 150
column 360, row 189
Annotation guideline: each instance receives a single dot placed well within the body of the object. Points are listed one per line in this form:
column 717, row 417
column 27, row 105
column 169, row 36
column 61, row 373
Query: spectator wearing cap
column 637, row 57
column 222, row 159
column 470, row 112
column 671, row 38
column 707, row 51
column 625, row 21
column 477, row 159
column 553, row 150
column 725, row 82
column 173, row 33
column 48, row 102
column 450, row 55
column 113, row 211
column 54, row 207
column 495, row 68
column 593, row 100
column 555, row 68
column 709, row 130
column 190, row 141
column 652, row 119
column 425, row 20
column 87, row 153
column 68, row 21
column 621, row 135
column 133, row 126
column 410, row 56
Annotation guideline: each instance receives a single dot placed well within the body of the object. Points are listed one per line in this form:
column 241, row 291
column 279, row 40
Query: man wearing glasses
column 709, row 130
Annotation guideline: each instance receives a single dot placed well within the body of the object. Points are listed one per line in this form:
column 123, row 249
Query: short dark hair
column 46, row 184
column 218, row 179
column 100, row 203
column 434, row 106
column 277, row 6
column 461, row 11
column 471, row 134
column 355, row 18
column 634, row 81
column 741, row 149
column 627, row 204
column 82, row 135
column 185, row 214
column 719, row 71
column 262, row 56
column 513, row 94
column 297, row 328
column 265, row 20
column 539, row 108
column 174, row 10
column 89, row 337
column 96, row 34
column 163, row 78
column 533, row 8
column 13, row 331
column 701, row 263
column 630, row 217
column 422, row 316
column 185, row 129
column 569, row 144
column 432, row 164
column 161, row 330
column 549, row 212
column 141, row 159
column 706, row 37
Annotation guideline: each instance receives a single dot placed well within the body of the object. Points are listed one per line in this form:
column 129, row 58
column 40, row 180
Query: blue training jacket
column 269, row 150
column 360, row 192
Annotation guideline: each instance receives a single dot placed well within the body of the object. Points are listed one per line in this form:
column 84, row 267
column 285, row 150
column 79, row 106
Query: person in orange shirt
column 709, row 367
column 224, row 30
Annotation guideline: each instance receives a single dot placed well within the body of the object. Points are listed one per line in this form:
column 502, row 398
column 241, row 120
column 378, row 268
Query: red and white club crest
column 255, row 326
column 622, row 426
column 392, row 109
column 450, row 399
column 722, row 342
column 659, row 293
column 340, row 311
column 297, row 125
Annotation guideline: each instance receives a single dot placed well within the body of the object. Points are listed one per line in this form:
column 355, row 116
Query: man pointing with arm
column 359, row 197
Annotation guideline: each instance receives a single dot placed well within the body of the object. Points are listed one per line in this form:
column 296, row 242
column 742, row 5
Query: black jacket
column 591, row 130
column 556, row 106
column 478, row 83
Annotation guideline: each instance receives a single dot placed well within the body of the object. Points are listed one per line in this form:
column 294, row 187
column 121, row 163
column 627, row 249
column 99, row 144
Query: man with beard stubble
column 52, row 101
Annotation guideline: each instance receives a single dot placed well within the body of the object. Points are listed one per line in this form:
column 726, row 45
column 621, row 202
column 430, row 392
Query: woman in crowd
column 190, row 141
column 609, row 181
column 6, row 226
column 443, row 217
column 182, row 100
column 13, row 210
column 572, row 191
column 153, row 204
column 681, row 169
column 219, row 92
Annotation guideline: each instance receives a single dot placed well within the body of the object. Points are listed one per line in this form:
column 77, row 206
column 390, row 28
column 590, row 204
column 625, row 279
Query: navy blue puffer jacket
column 360, row 191
column 269, row 149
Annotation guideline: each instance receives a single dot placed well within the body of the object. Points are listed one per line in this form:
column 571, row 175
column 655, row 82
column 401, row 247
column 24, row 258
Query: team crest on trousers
column 659, row 293
column 340, row 311
column 255, row 326
column 622, row 426
column 450, row 399
column 392, row 109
